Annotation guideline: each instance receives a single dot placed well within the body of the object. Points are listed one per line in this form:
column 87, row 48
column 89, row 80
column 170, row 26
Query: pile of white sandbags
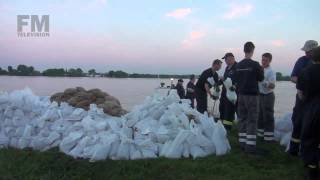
column 161, row 126
column 283, row 130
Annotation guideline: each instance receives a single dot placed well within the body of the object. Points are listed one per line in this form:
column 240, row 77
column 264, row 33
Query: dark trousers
column 297, row 117
column 248, row 114
column 310, row 136
column 266, row 117
column 202, row 100
column 227, row 111
column 191, row 99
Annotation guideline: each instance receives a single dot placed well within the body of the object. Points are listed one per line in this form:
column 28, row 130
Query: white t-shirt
column 269, row 77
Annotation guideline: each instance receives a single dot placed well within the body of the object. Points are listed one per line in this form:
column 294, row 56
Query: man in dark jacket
column 226, row 107
column 297, row 114
column 309, row 92
column 191, row 90
column 208, row 79
column 180, row 89
column 248, row 74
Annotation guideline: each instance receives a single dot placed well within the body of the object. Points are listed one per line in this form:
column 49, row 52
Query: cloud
column 238, row 10
column 179, row 13
column 277, row 43
column 193, row 37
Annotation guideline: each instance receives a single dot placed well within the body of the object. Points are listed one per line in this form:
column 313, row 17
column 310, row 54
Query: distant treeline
column 23, row 70
column 280, row 77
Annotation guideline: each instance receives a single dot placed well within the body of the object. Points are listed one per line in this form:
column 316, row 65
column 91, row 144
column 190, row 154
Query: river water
column 129, row 91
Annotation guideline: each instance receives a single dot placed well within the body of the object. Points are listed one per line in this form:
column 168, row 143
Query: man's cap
column 180, row 80
column 228, row 55
column 309, row 45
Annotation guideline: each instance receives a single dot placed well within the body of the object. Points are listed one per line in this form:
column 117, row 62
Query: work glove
column 232, row 88
column 217, row 88
column 214, row 97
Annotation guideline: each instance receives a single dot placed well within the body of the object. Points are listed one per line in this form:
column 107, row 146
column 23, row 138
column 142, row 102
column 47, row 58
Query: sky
column 164, row 36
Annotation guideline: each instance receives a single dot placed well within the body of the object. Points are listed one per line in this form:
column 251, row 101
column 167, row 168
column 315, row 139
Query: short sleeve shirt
column 209, row 77
column 308, row 81
column 269, row 78
column 301, row 63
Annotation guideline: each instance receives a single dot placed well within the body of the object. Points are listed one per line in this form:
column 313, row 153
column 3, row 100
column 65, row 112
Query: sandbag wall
column 162, row 126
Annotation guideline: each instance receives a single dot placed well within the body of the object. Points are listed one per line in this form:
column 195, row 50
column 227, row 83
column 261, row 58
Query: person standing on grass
column 226, row 108
column 297, row 114
column 248, row 74
column 309, row 92
column 267, row 100
column 191, row 90
column 208, row 79
column 180, row 89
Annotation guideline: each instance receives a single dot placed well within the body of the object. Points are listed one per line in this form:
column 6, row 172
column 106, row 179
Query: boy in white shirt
column 267, row 100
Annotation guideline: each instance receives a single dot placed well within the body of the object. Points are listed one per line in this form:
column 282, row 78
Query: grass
column 28, row 164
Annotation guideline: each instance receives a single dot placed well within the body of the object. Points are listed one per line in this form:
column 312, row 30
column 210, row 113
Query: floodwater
column 129, row 91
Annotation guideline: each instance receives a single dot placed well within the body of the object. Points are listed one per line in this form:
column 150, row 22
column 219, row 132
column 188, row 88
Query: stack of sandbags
column 161, row 126
column 283, row 129
column 80, row 98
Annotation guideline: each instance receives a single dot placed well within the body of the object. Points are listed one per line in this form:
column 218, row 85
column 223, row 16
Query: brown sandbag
column 80, row 98
column 70, row 91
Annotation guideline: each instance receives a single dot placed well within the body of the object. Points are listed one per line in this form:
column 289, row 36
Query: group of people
column 254, row 84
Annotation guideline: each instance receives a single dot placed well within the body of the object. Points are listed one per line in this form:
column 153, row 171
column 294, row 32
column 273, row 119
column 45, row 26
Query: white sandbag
column 10, row 131
column 162, row 134
column 50, row 115
column 101, row 152
column 88, row 152
column 27, row 131
column 148, row 149
column 207, row 124
column 9, row 112
column 19, row 114
column 186, row 151
column 52, row 138
column 77, row 151
column 124, row 149
column 4, row 98
column 135, row 153
column 285, row 139
column 77, row 115
column 220, row 140
column 88, row 123
column 38, row 143
column 197, row 152
column 69, row 142
column 23, row 143
column 114, row 149
column 19, row 131
column 198, row 139
column 184, row 121
column 284, row 124
column 114, row 124
column 231, row 95
column 13, row 142
column 176, row 148
column 148, row 154
column 4, row 140
column 66, row 111
column 165, row 148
